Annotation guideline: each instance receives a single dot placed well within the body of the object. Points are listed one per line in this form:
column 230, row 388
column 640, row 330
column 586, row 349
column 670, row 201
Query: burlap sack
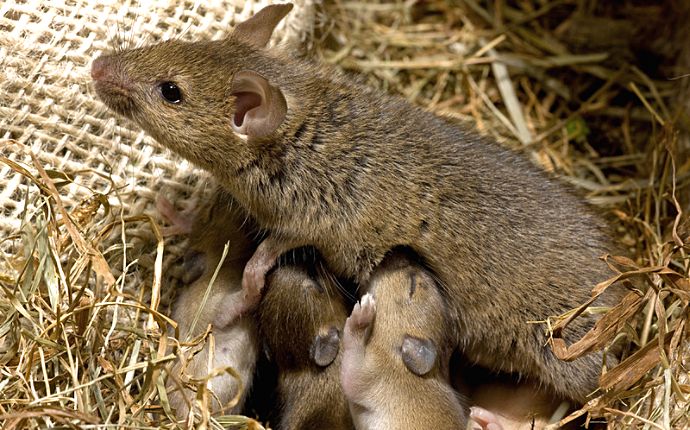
column 48, row 105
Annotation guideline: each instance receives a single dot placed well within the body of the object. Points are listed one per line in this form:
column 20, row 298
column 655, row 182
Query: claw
column 364, row 311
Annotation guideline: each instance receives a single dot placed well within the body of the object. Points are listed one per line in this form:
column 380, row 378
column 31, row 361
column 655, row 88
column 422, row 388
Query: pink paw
column 354, row 345
column 362, row 314
column 254, row 275
column 181, row 222
column 487, row 420
column 253, row 281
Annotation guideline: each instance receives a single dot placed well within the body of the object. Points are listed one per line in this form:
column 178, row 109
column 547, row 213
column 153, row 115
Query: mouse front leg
column 181, row 222
column 263, row 260
column 357, row 328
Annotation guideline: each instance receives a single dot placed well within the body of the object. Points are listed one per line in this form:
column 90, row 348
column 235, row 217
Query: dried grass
column 81, row 319
column 80, row 344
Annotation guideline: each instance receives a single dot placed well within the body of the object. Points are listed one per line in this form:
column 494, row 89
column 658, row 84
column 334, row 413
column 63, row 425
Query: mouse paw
column 352, row 378
column 254, row 275
column 362, row 314
column 485, row 419
column 181, row 222
column 252, row 285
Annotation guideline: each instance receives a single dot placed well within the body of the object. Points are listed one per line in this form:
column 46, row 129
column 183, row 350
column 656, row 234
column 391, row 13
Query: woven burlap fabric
column 48, row 105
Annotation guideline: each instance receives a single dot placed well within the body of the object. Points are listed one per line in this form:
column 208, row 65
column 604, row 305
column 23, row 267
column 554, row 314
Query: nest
column 593, row 91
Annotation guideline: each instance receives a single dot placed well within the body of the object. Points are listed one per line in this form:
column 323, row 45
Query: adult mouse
column 301, row 319
column 397, row 347
column 197, row 305
column 317, row 159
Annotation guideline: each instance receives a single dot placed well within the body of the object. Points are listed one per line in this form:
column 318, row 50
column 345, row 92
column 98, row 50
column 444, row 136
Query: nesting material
column 80, row 261
column 592, row 91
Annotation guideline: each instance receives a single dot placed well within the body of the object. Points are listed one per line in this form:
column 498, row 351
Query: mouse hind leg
column 525, row 350
column 533, row 358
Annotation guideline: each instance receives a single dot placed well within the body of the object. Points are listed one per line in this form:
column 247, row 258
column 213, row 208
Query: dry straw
column 82, row 297
column 593, row 91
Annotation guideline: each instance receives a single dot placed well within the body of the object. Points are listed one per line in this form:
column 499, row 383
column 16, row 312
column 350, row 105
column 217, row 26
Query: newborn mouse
column 236, row 338
column 503, row 401
column 301, row 319
column 317, row 159
column 510, row 405
column 397, row 347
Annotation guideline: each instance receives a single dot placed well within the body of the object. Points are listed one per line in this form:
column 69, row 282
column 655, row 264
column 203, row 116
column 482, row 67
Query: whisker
column 121, row 30
column 340, row 287
column 118, row 36
column 185, row 30
column 134, row 28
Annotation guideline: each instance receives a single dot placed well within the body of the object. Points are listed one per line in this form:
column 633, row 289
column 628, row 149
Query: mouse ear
column 260, row 107
column 258, row 29
column 325, row 347
column 419, row 355
column 194, row 266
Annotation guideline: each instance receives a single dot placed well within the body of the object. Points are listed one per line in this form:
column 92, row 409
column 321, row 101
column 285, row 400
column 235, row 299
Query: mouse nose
column 100, row 69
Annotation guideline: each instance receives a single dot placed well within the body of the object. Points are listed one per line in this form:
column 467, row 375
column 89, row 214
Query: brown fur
column 356, row 172
column 236, row 338
column 383, row 392
column 296, row 308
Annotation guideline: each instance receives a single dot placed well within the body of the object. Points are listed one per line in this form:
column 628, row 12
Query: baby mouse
column 301, row 319
column 236, row 338
column 316, row 159
column 510, row 405
column 397, row 347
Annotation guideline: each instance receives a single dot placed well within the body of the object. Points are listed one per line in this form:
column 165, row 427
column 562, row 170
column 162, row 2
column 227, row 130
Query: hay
column 80, row 264
column 82, row 297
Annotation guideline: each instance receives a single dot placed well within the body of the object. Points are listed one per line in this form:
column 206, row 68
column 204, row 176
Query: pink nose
column 101, row 67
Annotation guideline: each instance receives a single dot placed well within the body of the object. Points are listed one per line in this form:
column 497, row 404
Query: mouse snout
column 113, row 85
column 101, row 68
column 107, row 69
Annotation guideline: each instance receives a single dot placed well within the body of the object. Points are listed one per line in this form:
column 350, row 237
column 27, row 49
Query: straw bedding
column 593, row 91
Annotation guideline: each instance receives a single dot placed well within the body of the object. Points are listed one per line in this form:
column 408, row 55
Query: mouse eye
column 170, row 92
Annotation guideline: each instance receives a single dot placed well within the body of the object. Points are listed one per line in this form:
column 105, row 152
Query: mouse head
column 413, row 313
column 401, row 282
column 187, row 95
column 301, row 317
